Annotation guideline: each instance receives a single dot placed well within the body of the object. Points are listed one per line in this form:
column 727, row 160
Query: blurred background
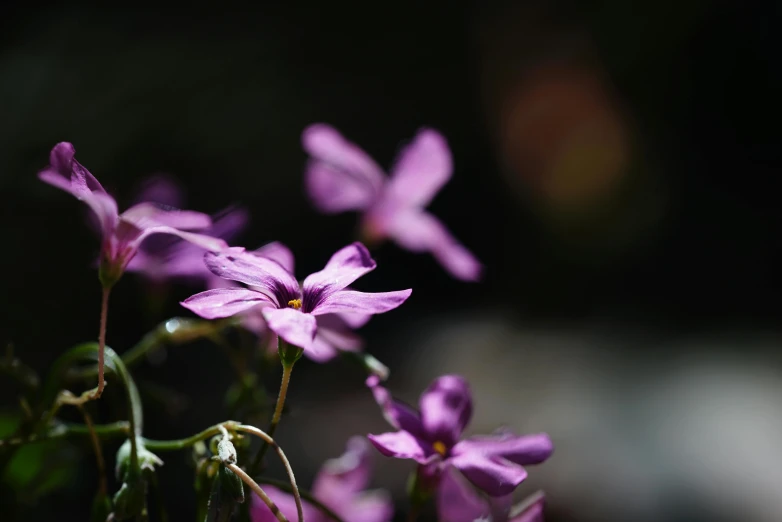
column 614, row 170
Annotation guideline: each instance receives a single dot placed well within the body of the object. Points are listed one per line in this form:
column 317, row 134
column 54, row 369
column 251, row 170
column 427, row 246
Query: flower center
column 440, row 448
column 295, row 303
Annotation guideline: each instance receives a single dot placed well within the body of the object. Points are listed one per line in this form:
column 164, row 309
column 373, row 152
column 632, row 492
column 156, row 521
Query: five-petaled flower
column 334, row 332
column 121, row 234
column 290, row 309
column 340, row 486
column 457, row 501
column 492, row 463
column 161, row 259
column 340, row 177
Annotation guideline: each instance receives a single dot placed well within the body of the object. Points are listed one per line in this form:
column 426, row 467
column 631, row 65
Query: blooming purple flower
column 291, row 309
column 173, row 258
column 335, row 331
column 340, row 177
column 339, row 486
column 121, row 234
column 457, row 501
column 492, row 463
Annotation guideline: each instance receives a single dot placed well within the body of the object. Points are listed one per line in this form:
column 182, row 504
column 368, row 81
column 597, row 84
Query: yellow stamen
column 440, row 448
column 295, row 303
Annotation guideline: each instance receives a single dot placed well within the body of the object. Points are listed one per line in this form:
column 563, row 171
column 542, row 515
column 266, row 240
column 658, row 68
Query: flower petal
column 223, row 302
column 446, row 408
column 294, row 326
column 350, row 301
column 402, row 445
column 259, row 512
column 422, row 232
column 146, row 215
column 67, row 174
column 333, row 190
column 421, row 169
column 268, row 276
column 320, row 350
column 343, row 477
column 520, row 449
column 340, row 176
column 344, row 267
column 276, row 251
column 494, row 476
column 161, row 189
column 457, row 501
column 370, row 506
column 130, row 238
column 183, row 259
column 62, row 160
column 355, row 321
column 333, row 330
column 397, row 414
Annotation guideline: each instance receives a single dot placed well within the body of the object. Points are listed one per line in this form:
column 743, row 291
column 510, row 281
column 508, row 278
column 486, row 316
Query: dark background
column 614, row 162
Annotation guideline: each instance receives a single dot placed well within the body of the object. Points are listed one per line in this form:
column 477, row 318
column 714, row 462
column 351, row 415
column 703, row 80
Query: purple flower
column 290, row 309
column 492, row 463
column 335, row 331
column 457, row 501
column 340, row 177
column 121, row 234
column 339, row 486
column 173, row 258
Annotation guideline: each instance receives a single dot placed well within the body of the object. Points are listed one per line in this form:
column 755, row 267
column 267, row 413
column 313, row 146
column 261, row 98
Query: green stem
column 53, row 382
column 281, row 484
column 258, row 491
column 134, row 404
column 176, row 330
column 288, row 356
column 63, row 431
column 287, row 369
column 174, row 445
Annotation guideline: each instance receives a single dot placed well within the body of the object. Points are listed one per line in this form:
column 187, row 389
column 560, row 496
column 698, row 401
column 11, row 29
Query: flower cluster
column 471, row 478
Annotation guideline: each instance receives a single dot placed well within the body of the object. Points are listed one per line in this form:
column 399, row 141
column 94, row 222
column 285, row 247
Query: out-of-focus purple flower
column 340, row 487
column 457, row 501
column 340, row 177
column 291, row 309
column 121, row 234
column 492, row 463
column 173, row 258
column 335, row 331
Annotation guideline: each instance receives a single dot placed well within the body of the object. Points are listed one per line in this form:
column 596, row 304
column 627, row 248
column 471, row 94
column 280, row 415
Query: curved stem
column 286, row 379
column 287, row 370
column 116, row 429
column 175, row 330
column 174, row 445
column 104, row 313
column 136, row 420
column 288, row 469
column 258, row 491
column 306, row 495
column 100, row 462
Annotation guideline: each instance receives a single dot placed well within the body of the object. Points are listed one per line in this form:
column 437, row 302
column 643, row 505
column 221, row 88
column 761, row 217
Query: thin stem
column 309, row 497
column 104, row 313
column 286, row 464
column 258, row 491
column 174, row 445
column 286, row 379
column 116, row 429
column 175, row 330
column 287, row 370
column 101, row 463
